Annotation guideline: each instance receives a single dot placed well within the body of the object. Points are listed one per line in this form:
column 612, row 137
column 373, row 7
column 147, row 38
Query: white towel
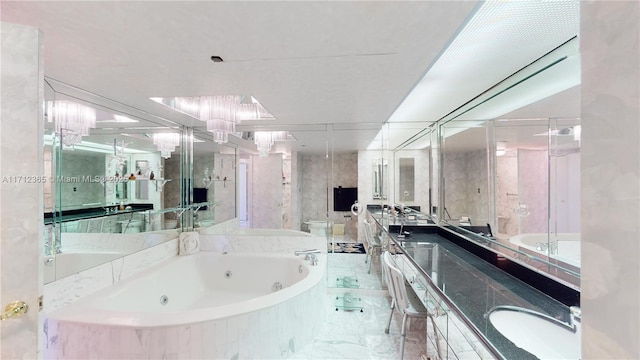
column 189, row 243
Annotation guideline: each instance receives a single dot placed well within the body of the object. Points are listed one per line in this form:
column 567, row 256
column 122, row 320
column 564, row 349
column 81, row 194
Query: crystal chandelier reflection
column 72, row 120
column 166, row 143
column 221, row 112
column 264, row 140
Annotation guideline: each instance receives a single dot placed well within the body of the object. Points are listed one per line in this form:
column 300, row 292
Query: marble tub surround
column 272, row 325
column 120, row 242
column 65, row 291
column 221, row 228
column 265, row 243
column 189, row 243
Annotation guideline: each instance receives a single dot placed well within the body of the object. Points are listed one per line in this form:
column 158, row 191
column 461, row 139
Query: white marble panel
column 610, row 113
column 21, row 188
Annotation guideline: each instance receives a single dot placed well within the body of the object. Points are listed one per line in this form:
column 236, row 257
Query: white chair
column 406, row 302
column 373, row 243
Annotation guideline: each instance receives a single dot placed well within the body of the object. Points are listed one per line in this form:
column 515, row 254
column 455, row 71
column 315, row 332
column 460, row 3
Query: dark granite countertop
column 94, row 212
column 475, row 285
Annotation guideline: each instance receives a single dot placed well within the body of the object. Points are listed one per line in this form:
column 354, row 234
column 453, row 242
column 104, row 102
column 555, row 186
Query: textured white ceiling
column 308, row 63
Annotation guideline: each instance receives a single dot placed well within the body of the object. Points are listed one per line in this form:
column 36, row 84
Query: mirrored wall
column 119, row 180
column 516, row 184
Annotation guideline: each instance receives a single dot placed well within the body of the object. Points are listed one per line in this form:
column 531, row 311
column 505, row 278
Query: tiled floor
column 360, row 335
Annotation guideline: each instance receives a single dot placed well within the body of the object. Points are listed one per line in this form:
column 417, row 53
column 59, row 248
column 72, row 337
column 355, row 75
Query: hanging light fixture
column 72, row 120
column 166, row 143
column 221, row 115
column 264, row 140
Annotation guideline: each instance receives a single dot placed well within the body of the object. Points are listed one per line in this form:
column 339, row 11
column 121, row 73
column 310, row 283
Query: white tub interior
column 568, row 245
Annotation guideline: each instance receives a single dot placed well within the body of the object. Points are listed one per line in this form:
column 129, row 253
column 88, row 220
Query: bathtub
column 207, row 305
column 70, row 262
column 568, row 246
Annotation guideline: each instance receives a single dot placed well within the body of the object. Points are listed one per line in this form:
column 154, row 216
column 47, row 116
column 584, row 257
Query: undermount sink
column 537, row 333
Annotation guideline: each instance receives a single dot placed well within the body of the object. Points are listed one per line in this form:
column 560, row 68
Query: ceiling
column 325, row 70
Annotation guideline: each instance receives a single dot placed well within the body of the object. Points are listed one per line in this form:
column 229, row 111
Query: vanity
column 463, row 282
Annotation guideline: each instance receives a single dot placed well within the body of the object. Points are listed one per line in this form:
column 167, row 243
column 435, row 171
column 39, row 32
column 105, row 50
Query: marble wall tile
column 507, row 195
column 64, row 291
column 21, row 260
column 466, row 186
column 85, row 164
column 266, row 192
column 533, row 189
column 610, row 113
column 313, row 187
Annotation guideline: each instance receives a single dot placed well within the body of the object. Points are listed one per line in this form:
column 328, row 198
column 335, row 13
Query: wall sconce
column 207, row 180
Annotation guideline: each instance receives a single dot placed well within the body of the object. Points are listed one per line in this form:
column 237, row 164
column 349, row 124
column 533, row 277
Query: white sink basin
column 536, row 333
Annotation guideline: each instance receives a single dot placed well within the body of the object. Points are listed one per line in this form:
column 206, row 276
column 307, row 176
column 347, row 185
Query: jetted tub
column 207, row 305
column 70, row 262
column 567, row 251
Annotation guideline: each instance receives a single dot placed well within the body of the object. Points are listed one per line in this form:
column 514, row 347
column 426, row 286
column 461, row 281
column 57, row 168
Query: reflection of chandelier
column 166, row 143
column 265, row 139
column 223, row 113
column 72, row 120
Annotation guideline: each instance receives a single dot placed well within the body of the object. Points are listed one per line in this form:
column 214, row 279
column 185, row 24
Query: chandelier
column 166, row 143
column 72, row 120
column 223, row 113
column 264, row 140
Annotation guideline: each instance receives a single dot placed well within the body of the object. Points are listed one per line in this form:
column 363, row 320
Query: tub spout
column 306, row 252
column 309, row 255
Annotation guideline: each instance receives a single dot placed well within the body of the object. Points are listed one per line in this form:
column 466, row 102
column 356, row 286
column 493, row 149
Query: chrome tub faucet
column 309, row 255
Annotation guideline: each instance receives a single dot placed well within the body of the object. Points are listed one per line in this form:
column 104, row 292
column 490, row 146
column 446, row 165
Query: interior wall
column 315, row 170
column 507, row 194
column 85, row 165
column 420, row 179
column 610, row 177
column 345, row 174
column 466, row 187
column 22, row 205
column 533, row 190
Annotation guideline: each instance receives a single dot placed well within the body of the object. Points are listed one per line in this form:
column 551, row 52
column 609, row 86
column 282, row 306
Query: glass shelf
column 347, row 282
column 349, row 302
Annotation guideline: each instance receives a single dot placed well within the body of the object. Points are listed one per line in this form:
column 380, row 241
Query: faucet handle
column 575, row 312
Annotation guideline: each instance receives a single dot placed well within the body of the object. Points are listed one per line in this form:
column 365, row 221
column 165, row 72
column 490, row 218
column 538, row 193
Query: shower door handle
column 14, row 309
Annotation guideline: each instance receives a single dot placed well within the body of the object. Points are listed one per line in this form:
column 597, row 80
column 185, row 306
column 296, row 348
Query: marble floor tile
column 360, row 335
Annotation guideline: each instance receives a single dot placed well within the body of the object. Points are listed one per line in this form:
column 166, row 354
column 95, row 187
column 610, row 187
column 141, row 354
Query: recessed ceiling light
column 216, row 59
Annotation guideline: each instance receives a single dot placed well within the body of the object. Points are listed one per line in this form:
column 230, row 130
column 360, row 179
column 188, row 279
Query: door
column 266, row 190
